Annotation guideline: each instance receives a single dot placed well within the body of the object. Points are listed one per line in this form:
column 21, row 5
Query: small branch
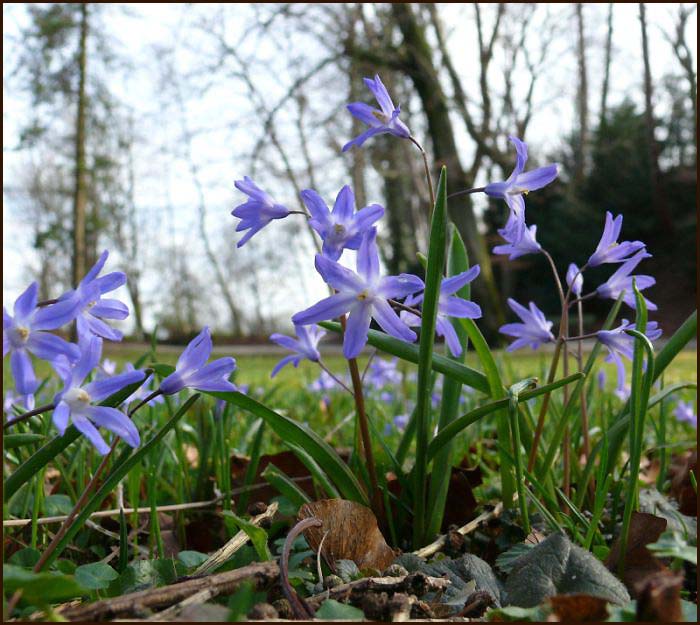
column 467, row 192
column 26, row 415
column 415, row 311
column 426, row 166
column 226, row 552
column 440, row 541
column 301, row 609
column 338, row 380
column 46, row 302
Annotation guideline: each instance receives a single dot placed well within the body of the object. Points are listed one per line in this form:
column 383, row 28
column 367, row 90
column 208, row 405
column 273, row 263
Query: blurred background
column 125, row 126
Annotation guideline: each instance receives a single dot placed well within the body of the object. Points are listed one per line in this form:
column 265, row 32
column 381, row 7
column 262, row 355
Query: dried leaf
column 353, row 534
column 639, row 561
column 578, row 608
column 659, row 598
column 681, row 487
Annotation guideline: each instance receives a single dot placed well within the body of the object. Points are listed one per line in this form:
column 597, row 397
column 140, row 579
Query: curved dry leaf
column 353, row 534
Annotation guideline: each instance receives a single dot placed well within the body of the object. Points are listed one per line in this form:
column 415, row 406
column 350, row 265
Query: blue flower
column 25, row 333
column 685, row 413
column 258, row 211
column 380, row 121
column 619, row 344
column 304, row 346
column 398, row 423
column 323, row 383
column 609, row 250
column 12, row 399
column 448, row 306
column 93, row 308
column 191, row 370
column 143, row 391
column 383, row 373
column 621, row 280
column 520, row 239
column 75, row 402
column 343, row 227
column 364, row 295
column 533, row 331
column 520, row 182
column 574, row 279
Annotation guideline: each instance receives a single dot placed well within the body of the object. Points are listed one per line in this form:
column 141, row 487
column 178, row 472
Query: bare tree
column 607, row 60
column 658, row 199
column 581, row 97
column 683, row 53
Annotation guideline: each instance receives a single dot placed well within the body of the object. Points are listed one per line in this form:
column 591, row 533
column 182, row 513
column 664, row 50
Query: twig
column 197, row 598
column 26, row 415
column 225, row 553
column 417, row 583
column 440, row 541
column 134, row 603
column 301, row 609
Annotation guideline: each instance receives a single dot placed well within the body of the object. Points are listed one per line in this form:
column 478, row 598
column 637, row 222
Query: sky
column 165, row 187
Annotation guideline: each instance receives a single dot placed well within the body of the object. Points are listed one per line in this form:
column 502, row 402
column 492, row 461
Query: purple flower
column 534, row 330
column 380, row 121
column 609, row 250
column 93, row 308
column 685, row 414
column 621, row 280
column 144, row 390
column 343, row 227
column 258, row 211
column 574, row 279
column 520, row 182
column 383, row 373
column 192, row 372
column 399, row 423
column 602, row 379
column 12, row 399
column 323, row 383
column 304, row 346
column 520, row 238
column 75, row 401
column 619, row 343
column 364, row 295
column 25, row 333
column 448, row 306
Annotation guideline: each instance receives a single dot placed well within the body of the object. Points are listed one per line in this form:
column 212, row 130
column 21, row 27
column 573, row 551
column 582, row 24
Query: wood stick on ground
column 439, row 542
column 225, row 553
column 412, row 583
column 262, row 574
column 174, row 611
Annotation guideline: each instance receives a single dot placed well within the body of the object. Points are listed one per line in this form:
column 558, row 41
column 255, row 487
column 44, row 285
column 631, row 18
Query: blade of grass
column 457, row 262
column 285, row 485
column 292, row 432
column 431, row 296
column 409, row 352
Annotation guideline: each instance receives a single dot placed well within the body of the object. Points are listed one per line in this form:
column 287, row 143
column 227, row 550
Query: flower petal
column 284, row 362
column 212, row 376
column 317, row 207
column 60, row 417
column 110, row 309
column 83, row 425
column 344, row 206
column 104, row 387
column 23, row 372
column 116, row 422
column 26, row 303
column 390, row 322
column 356, row 330
column 458, row 307
column 328, row 308
column 49, row 346
column 95, row 269
column 196, row 353
column 368, row 256
column 339, row 277
column 400, row 286
column 111, row 281
column 451, row 285
column 537, row 178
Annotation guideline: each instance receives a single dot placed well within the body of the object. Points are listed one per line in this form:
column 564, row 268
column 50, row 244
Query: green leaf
column 409, row 352
column 57, row 445
column 292, row 432
column 56, row 505
column 13, row 441
column 257, row 535
column 26, row 557
column 143, row 574
column 454, row 428
column 431, row 296
column 457, row 262
column 40, row 588
column 672, row 545
column 316, row 471
column 507, row 559
column 332, row 610
column 285, row 485
column 242, row 601
column 116, row 475
column 191, row 559
column 95, row 576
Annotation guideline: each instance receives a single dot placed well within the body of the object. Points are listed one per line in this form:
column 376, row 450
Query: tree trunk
column 658, row 201
column 421, row 69
column 606, row 68
column 581, row 99
column 80, row 193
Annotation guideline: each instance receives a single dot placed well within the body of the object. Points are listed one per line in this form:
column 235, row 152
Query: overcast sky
column 166, row 180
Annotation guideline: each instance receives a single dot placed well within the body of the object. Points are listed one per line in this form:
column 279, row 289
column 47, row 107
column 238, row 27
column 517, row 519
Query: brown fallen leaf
column 659, row 598
column 645, row 528
column 461, row 503
column 353, row 534
column 578, row 608
column 681, row 487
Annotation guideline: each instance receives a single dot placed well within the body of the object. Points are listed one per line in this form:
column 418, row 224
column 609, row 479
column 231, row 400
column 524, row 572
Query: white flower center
column 76, row 397
column 363, row 295
column 381, row 117
column 339, row 229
